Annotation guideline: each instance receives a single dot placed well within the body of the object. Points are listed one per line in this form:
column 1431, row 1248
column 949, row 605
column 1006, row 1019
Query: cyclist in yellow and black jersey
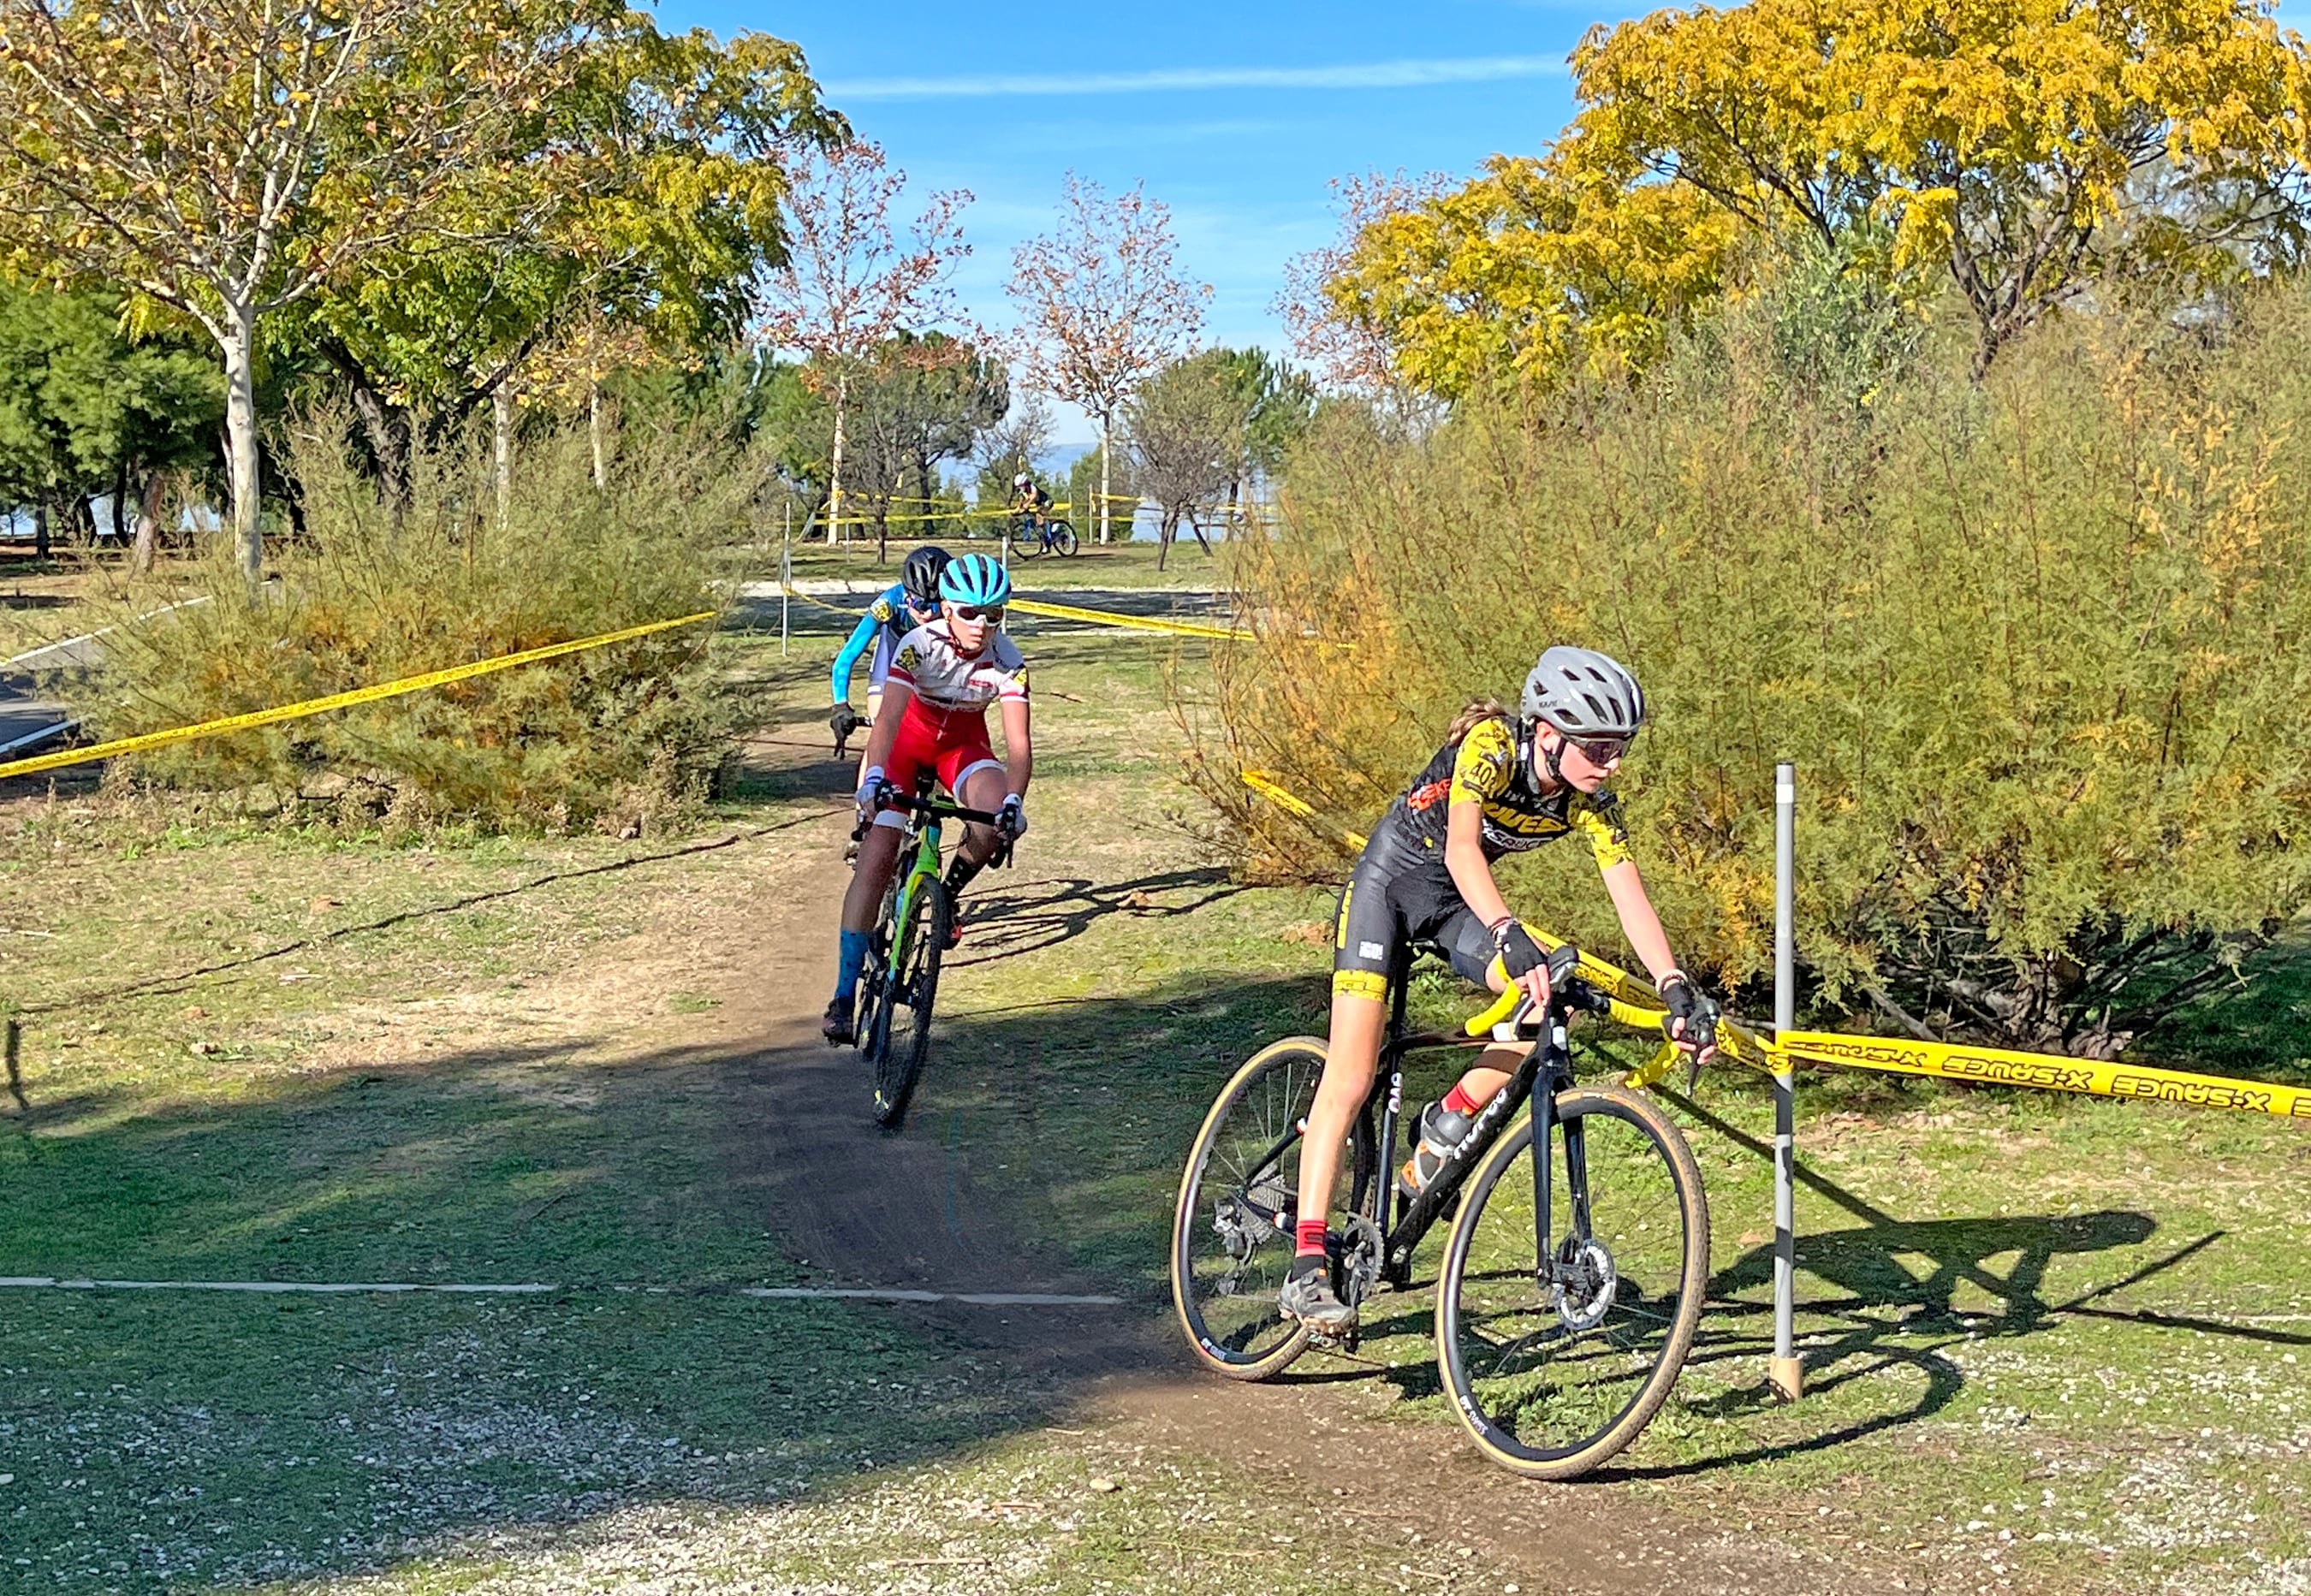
column 1491, row 764
column 1502, row 783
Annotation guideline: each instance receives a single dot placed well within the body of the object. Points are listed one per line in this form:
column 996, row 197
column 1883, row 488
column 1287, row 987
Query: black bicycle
column 900, row 984
column 1052, row 534
column 1571, row 1282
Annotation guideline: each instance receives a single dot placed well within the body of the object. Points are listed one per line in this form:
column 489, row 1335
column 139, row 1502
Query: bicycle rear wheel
column 902, row 1026
column 1063, row 537
column 1553, row 1381
column 1231, row 1233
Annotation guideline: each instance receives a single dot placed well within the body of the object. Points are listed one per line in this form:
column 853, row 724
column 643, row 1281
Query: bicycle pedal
column 1346, row 1341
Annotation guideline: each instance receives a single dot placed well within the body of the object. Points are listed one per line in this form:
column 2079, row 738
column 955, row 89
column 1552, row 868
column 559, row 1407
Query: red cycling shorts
column 952, row 742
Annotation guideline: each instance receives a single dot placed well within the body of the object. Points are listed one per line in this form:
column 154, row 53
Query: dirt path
column 858, row 1207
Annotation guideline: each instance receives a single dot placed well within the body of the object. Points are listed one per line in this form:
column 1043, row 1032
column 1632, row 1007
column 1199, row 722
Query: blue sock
column 848, row 963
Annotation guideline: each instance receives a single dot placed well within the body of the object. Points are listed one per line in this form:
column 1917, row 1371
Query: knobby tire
column 1225, row 1301
column 902, row 1026
column 1510, row 1363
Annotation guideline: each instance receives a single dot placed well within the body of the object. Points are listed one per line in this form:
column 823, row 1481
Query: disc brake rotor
column 1586, row 1285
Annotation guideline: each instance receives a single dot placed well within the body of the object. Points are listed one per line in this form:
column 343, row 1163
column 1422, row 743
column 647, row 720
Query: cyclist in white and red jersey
column 942, row 681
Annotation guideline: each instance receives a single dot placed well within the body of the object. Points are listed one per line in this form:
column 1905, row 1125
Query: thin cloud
column 1375, row 74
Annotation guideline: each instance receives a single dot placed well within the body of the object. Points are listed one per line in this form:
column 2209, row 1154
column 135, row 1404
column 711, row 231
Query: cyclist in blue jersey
column 909, row 603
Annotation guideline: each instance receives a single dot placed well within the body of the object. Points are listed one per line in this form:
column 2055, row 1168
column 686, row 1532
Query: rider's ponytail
column 1478, row 709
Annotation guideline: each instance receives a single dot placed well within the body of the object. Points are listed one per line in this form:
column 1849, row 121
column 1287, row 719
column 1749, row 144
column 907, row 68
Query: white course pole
column 785, row 576
column 1788, row 1370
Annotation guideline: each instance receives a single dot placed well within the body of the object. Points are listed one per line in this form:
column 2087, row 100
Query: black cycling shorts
column 1389, row 906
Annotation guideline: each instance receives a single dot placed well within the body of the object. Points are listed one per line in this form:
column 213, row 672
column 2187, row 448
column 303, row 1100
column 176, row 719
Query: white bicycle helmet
column 1583, row 693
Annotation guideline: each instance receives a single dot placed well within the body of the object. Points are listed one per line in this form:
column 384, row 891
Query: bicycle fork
column 1553, row 1267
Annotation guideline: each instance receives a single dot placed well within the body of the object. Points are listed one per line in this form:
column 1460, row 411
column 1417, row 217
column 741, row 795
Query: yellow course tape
column 2052, row 1072
column 1958, row 1061
column 1099, row 617
column 336, row 700
column 1069, row 612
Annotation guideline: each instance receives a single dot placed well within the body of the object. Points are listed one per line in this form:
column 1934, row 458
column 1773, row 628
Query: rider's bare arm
column 1464, row 856
column 1642, row 927
column 885, row 732
column 1018, row 745
column 1639, row 922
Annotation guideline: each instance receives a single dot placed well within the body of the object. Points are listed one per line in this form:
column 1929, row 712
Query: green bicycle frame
column 925, row 863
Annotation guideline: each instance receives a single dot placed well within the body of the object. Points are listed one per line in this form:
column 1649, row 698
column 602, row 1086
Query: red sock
column 1458, row 1101
column 1310, row 1235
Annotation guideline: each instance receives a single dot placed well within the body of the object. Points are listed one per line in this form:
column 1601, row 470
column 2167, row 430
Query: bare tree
column 1102, row 307
column 1012, row 444
column 1186, row 427
column 225, row 157
column 850, row 282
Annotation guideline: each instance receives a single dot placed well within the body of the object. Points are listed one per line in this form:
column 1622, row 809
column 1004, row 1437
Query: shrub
column 2036, row 646
column 365, row 594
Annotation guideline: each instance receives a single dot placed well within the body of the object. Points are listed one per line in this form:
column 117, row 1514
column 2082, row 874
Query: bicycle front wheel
column 1551, row 1379
column 1063, row 537
column 1231, row 1233
column 903, row 1031
column 1025, row 546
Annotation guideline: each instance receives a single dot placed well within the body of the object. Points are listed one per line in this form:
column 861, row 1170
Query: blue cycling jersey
column 886, row 621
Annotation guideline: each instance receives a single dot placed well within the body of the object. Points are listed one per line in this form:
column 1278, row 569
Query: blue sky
column 1237, row 116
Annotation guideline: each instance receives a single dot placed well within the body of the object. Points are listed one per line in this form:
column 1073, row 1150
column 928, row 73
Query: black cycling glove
column 1519, row 953
column 1695, row 1008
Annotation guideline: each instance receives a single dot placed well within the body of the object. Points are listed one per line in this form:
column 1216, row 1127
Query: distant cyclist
column 898, row 610
column 942, row 680
column 1032, row 506
column 1502, row 783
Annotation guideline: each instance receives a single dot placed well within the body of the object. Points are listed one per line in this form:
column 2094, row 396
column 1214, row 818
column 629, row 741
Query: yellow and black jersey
column 1492, row 767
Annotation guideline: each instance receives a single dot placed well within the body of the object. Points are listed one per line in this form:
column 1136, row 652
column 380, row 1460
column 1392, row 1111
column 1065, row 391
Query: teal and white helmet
column 976, row 580
column 1583, row 693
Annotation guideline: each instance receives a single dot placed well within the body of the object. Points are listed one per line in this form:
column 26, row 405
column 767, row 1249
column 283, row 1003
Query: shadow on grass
column 1029, row 916
column 234, row 1439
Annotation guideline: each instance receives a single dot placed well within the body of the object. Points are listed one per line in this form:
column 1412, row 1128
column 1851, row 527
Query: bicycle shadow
column 1891, row 1309
column 1008, row 920
column 1894, row 1305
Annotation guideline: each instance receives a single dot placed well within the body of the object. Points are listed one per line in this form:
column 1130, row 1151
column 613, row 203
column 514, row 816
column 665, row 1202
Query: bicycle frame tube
column 924, row 863
column 1415, row 1216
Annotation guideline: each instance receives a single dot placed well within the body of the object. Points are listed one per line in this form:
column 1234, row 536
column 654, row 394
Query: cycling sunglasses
column 1600, row 751
column 992, row 613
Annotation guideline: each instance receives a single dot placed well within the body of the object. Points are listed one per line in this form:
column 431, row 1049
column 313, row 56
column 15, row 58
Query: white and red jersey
column 947, row 681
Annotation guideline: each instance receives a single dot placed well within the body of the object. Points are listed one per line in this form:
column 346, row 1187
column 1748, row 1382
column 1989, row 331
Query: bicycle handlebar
column 931, row 808
column 934, row 809
column 1512, row 1008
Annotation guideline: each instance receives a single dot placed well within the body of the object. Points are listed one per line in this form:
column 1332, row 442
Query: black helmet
column 920, row 578
column 1583, row 693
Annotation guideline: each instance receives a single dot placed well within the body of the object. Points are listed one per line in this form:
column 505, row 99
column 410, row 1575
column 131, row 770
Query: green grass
column 2054, row 1343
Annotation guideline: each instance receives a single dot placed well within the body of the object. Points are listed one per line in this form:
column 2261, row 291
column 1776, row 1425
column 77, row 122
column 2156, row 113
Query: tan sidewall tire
column 1581, row 1101
column 1183, row 1216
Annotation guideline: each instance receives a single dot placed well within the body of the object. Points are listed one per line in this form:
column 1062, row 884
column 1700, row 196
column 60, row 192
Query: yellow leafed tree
column 2031, row 150
column 1536, row 267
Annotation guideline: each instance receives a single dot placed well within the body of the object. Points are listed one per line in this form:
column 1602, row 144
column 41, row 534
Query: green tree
column 86, row 410
column 630, row 218
column 920, row 402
